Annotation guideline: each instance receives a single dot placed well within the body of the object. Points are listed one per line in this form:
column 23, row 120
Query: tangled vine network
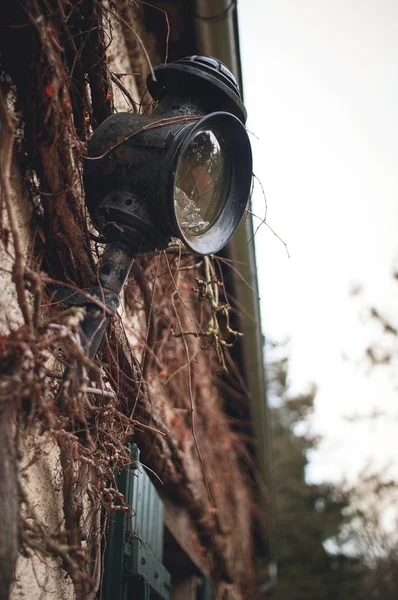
column 56, row 87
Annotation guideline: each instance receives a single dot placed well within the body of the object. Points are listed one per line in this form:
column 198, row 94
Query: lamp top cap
column 208, row 69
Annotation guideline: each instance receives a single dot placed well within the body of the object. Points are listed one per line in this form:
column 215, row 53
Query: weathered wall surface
column 64, row 68
column 40, row 573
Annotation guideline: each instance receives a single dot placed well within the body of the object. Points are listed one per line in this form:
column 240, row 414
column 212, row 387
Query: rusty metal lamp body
column 184, row 171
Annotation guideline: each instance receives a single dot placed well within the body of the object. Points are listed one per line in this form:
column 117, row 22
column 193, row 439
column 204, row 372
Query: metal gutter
column 216, row 29
column 216, row 32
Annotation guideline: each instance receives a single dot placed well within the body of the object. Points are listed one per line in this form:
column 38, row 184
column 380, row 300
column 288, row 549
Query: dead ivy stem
column 191, row 398
column 6, row 151
column 192, row 404
column 35, row 535
column 139, row 40
column 153, row 125
column 116, row 80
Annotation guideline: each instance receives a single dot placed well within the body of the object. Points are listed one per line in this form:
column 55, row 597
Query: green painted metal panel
column 133, row 558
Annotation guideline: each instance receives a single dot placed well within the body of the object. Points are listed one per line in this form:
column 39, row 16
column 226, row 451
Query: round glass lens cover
column 201, row 183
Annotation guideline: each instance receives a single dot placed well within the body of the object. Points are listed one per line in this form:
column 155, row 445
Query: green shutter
column 133, row 558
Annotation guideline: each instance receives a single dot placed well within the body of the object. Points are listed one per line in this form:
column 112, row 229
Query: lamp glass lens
column 201, row 183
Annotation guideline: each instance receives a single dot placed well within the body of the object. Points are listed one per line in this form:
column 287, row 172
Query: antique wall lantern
column 184, row 171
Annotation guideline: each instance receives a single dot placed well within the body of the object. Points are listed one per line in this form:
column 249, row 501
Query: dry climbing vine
column 52, row 96
column 209, row 290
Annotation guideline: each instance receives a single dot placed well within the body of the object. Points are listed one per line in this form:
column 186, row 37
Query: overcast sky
column 321, row 89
